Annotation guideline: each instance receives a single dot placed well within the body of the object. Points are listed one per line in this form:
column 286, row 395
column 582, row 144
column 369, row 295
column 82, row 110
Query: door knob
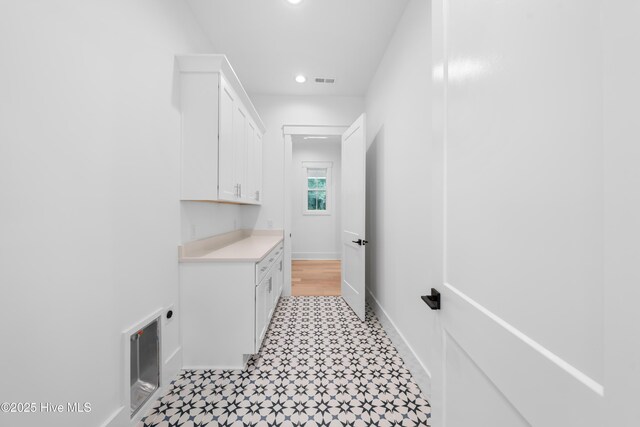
column 360, row 242
column 433, row 300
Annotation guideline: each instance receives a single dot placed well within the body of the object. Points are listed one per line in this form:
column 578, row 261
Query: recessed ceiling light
column 300, row 78
column 294, row 1
column 315, row 137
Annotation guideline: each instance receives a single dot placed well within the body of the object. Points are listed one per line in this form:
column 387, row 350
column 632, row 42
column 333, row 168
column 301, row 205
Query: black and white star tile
column 319, row 366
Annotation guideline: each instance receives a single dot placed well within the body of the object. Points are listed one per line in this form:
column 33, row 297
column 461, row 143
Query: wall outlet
column 192, row 231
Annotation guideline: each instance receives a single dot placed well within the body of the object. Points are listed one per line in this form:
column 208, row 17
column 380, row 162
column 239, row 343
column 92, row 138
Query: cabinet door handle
column 433, row 300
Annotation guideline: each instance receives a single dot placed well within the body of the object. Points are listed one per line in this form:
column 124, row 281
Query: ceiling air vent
column 324, row 80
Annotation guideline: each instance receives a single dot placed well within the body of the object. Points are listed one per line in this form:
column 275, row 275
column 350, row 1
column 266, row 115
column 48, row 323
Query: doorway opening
column 309, row 177
column 317, row 272
column 316, row 251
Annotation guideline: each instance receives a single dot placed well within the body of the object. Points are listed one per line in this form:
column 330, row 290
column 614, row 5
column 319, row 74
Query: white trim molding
column 329, row 256
column 592, row 384
column 420, row 373
column 313, row 130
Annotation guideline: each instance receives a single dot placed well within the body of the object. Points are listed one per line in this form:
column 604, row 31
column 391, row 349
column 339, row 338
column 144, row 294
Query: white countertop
column 237, row 246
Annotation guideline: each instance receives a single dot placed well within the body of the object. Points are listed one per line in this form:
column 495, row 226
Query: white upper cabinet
column 221, row 133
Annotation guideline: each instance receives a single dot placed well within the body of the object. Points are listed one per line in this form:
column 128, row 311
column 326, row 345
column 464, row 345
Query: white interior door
column 354, row 152
column 622, row 212
column 518, row 126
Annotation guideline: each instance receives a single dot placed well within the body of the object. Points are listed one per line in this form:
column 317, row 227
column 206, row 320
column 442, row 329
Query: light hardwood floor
column 315, row 278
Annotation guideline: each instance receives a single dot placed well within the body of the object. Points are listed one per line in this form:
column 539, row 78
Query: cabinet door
column 254, row 174
column 199, row 104
column 276, row 282
column 268, row 301
column 227, row 189
column 257, row 161
column 240, row 150
column 251, row 161
column 281, row 278
column 262, row 295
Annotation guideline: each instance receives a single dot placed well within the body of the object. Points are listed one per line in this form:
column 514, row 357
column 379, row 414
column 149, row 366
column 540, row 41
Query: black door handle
column 433, row 300
column 360, row 242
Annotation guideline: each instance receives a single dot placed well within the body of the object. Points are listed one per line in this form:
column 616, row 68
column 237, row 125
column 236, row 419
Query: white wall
column 401, row 262
column 316, row 236
column 201, row 219
column 621, row 91
column 277, row 111
column 89, row 188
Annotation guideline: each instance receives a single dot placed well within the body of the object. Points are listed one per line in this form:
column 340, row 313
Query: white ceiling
column 268, row 42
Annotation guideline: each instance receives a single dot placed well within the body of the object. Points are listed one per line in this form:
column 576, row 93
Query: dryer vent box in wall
column 145, row 364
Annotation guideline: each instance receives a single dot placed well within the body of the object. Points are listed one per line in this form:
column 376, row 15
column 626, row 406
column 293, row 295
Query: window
column 316, row 188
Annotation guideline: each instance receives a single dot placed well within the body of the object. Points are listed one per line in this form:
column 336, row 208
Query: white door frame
column 288, row 131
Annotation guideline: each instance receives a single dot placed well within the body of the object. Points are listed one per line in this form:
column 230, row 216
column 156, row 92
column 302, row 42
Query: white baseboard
column 213, row 367
column 301, row 256
column 420, row 373
column 117, row 419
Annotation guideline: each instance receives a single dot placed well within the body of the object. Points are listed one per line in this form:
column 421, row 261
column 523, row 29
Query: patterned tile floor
column 319, row 366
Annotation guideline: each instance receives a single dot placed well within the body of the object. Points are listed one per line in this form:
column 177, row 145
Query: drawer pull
column 263, row 268
column 271, row 259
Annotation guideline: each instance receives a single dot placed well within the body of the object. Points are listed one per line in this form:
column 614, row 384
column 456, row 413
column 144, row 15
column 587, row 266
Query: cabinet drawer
column 263, row 266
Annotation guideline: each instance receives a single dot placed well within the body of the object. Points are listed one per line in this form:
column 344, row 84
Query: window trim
column 317, row 165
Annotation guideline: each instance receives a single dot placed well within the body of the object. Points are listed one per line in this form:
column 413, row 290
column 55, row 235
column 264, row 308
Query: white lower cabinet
column 226, row 308
column 268, row 293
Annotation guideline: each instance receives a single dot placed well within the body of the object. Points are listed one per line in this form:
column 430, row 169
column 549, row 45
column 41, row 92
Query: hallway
column 315, row 278
column 319, row 366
